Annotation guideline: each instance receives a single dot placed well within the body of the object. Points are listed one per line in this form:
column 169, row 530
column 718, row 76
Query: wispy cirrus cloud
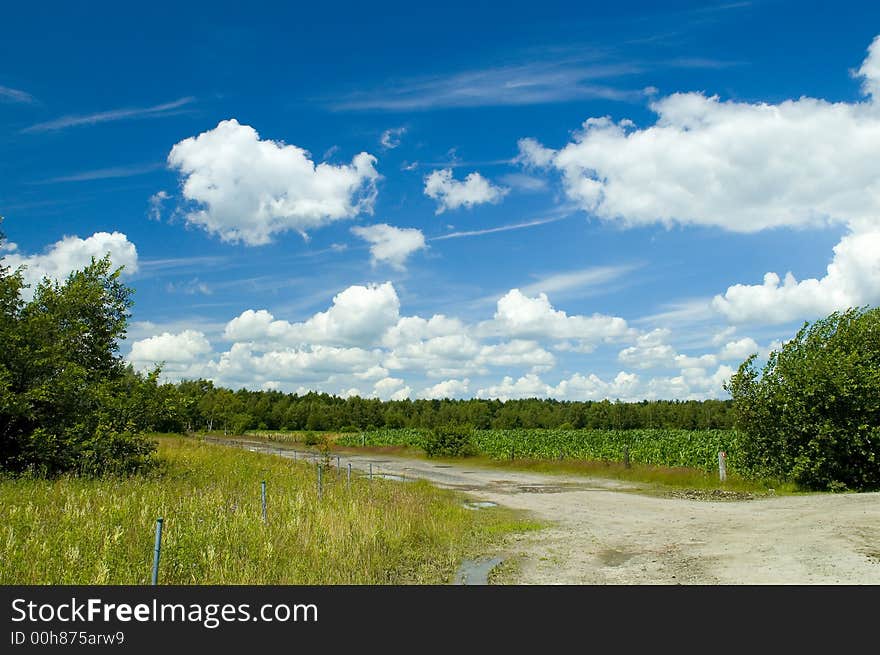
column 687, row 310
column 583, row 282
column 8, row 94
column 178, row 265
column 500, row 228
column 157, row 111
column 522, row 84
column 585, row 278
column 105, row 173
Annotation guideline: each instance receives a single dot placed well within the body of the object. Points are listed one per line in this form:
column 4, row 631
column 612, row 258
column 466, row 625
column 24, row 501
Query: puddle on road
column 479, row 504
column 506, row 486
column 612, row 557
column 475, row 571
column 542, row 489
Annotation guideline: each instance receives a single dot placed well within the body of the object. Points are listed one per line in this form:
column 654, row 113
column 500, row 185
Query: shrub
column 813, row 414
column 315, row 439
column 450, row 441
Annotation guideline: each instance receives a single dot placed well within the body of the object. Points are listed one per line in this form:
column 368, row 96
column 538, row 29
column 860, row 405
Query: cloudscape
column 427, row 206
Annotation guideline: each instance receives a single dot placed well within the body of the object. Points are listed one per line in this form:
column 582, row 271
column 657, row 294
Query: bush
column 315, row 439
column 813, row 415
column 450, row 441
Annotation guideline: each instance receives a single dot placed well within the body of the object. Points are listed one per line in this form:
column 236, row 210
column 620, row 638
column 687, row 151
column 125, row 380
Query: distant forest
column 198, row 405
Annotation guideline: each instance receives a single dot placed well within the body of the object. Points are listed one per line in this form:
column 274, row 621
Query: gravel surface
column 612, row 532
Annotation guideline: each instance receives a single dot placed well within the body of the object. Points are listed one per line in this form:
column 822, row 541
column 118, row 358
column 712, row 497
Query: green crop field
column 73, row 530
column 687, row 448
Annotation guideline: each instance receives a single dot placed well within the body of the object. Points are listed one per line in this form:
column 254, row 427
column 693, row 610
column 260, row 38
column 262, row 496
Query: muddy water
column 476, row 571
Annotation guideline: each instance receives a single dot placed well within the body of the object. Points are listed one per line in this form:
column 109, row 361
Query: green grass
column 100, row 531
column 663, row 478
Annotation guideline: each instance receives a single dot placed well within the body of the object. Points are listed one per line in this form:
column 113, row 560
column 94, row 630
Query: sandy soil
column 611, row 532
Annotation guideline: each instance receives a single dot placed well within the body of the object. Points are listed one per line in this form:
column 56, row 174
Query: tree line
column 197, row 405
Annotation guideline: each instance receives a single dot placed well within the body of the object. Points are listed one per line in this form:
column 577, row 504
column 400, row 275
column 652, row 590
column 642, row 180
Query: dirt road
column 612, row 532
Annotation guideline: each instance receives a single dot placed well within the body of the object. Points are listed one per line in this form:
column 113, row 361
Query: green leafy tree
column 61, row 375
column 812, row 415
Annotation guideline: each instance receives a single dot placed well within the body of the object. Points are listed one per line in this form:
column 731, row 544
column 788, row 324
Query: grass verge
column 100, row 531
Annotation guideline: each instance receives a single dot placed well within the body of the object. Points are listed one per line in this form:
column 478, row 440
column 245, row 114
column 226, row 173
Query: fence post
column 371, row 471
column 320, row 482
column 626, row 457
column 157, row 550
column 722, row 465
column 263, row 498
column 349, row 475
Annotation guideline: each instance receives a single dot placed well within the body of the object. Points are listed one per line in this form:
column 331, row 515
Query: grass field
column 101, row 531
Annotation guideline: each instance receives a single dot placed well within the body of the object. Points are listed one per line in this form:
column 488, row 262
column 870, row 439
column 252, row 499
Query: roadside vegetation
column 812, row 414
column 86, row 530
column 606, row 462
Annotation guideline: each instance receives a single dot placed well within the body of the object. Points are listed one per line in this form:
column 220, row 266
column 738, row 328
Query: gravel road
column 613, row 532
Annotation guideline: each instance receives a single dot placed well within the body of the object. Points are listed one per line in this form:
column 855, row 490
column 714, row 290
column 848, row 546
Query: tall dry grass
column 100, row 531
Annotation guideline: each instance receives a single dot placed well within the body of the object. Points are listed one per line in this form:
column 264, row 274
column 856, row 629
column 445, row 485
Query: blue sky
column 574, row 200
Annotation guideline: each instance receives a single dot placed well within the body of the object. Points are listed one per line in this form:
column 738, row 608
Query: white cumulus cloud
column 391, row 389
column 181, row 348
column 739, row 349
column 739, row 166
column 532, row 317
column 650, row 350
column 410, row 329
column 452, row 194
column 242, row 363
column 362, row 345
column 389, row 244
column 360, row 315
column 248, row 189
column 852, row 279
column 624, row 386
column 71, row 254
column 528, row 386
column 447, row 389
column 744, row 167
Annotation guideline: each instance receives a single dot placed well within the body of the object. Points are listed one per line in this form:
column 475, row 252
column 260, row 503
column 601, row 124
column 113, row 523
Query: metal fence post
column 263, row 498
column 157, row 550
